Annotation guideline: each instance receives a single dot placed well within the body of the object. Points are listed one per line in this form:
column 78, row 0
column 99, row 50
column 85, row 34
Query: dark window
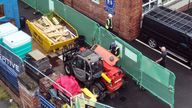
column 79, row 63
column 97, row 66
column 87, row 67
column 2, row 10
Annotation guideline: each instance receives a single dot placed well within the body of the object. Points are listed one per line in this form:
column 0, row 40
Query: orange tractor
column 94, row 68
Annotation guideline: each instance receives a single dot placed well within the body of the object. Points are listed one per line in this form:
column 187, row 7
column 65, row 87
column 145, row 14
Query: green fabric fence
column 43, row 6
column 130, row 57
column 32, row 3
column 83, row 24
column 158, row 80
column 149, row 75
column 153, row 77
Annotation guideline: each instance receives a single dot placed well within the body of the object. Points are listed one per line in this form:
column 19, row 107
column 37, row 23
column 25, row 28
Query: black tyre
column 67, row 69
column 95, row 90
column 112, row 95
column 152, row 43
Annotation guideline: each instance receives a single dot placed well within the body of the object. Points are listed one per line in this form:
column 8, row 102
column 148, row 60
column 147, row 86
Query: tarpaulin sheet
column 69, row 83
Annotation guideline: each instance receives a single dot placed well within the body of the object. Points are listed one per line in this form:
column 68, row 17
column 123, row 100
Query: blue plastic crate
column 10, row 77
column 44, row 103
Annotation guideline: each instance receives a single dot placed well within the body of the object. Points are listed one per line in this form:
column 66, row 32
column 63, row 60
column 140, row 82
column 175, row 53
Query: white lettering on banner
column 9, row 62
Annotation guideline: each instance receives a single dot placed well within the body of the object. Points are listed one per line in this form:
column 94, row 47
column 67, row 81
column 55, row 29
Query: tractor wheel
column 67, row 70
column 95, row 90
column 102, row 96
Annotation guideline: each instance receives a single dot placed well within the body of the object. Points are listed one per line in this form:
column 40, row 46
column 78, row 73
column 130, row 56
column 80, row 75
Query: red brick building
column 126, row 19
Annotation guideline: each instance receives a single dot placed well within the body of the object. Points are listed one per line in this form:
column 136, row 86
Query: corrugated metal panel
column 11, row 66
column 44, row 103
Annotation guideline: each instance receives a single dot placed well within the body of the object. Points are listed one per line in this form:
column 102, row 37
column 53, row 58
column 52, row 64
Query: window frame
column 2, row 10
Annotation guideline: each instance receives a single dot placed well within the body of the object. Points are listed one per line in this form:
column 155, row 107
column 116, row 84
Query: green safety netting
column 43, row 6
column 156, row 79
column 86, row 27
column 32, row 3
column 131, row 57
column 104, row 37
column 59, row 8
column 131, row 60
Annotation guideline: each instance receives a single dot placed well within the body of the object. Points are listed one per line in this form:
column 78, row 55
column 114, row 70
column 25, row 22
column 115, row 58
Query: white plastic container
column 19, row 43
column 16, row 39
column 6, row 29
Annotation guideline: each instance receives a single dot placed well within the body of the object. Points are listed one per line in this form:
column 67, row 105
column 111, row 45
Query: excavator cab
column 96, row 69
column 86, row 66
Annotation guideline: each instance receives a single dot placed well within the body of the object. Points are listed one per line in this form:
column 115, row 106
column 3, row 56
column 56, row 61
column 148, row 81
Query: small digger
column 94, row 68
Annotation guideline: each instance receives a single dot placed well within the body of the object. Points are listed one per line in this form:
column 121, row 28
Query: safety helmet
column 163, row 48
column 113, row 44
column 110, row 15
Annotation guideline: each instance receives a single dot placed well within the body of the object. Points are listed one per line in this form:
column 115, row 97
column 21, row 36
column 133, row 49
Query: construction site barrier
column 149, row 75
column 158, row 80
column 10, row 67
column 44, row 103
column 78, row 101
column 85, row 103
column 32, row 3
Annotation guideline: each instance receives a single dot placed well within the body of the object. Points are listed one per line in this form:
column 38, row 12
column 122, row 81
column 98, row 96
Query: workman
column 114, row 49
column 108, row 24
column 162, row 60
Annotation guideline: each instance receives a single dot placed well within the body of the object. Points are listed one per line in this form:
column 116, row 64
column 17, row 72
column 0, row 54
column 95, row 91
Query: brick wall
column 186, row 7
column 126, row 21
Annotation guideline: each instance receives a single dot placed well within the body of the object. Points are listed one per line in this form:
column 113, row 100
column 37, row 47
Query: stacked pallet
column 53, row 29
column 28, row 90
column 45, row 84
column 38, row 60
column 126, row 20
